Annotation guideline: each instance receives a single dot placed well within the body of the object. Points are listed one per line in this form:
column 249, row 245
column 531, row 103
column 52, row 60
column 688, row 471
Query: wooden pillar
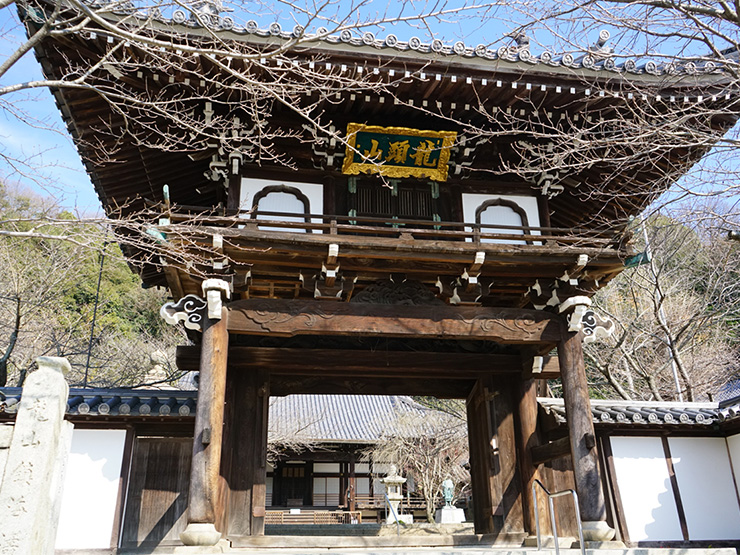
column 352, row 483
column 204, row 508
column 526, row 439
column 582, row 438
column 481, row 457
column 495, row 479
column 248, row 399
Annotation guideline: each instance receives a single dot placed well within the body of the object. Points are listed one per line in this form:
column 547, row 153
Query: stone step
column 385, row 542
column 368, row 529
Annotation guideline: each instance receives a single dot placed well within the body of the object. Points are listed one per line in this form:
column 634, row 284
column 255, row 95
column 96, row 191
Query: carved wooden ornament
column 595, row 327
column 190, row 310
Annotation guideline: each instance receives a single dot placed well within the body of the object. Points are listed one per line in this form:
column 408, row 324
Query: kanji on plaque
column 398, row 151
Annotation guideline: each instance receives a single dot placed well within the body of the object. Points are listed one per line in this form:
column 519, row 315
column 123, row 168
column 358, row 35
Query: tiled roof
column 344, row 418
column 340, row 418
column 118, row 402
column 598, row 57
column 640, row 412
column 729, row 409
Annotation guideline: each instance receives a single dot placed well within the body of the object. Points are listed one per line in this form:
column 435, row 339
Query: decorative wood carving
column 190, row 310
column 409, row 292
column 297, row 317
column 595, row 327
column 575, row 308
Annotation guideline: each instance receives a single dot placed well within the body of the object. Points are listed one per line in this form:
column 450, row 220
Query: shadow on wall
column 665, row 525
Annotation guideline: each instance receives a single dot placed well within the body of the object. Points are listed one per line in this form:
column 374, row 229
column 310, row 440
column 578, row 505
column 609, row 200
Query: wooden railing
column 401, row 228
column 313, row 517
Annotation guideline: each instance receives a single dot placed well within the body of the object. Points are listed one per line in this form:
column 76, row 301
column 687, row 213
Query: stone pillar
column 582, row 439
column 31, row 486
column 204, row 503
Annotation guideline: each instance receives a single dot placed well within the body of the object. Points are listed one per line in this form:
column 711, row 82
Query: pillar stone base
column 597, row 531
column 200, row 534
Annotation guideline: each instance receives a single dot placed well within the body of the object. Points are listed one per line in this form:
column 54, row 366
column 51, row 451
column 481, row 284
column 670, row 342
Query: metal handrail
column 395, row 516
column 550, row 497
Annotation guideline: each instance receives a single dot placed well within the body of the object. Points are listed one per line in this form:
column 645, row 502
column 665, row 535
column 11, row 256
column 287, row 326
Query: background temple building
column 350, row 215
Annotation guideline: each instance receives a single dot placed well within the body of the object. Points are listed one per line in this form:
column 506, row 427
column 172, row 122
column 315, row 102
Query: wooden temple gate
column 227, row 488
column 484, row 202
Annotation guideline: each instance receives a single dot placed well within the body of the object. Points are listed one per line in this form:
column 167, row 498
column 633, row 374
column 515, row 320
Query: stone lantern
column 393, row 483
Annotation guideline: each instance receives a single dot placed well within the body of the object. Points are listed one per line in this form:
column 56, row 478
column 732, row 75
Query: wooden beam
column 443, row 389
column 542, row 367
column 288, row 318
column 343, row 362
column 550, row 451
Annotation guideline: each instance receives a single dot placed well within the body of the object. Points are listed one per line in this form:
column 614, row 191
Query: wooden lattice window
column 397, row 200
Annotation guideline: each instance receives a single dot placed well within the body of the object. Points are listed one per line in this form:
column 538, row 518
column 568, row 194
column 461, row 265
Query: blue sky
column 31, row 127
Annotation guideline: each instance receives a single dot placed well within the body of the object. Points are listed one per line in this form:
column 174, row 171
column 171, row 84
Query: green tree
column 49, row 299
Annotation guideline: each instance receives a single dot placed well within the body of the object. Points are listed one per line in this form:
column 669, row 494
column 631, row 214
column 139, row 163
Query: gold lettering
column 398, row 151
column 373, row 153
column 422, row 154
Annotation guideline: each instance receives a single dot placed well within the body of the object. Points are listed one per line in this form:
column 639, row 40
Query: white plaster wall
column 708, row 493
column 733, row 445
column 313, row 191
column 471, row 202
column 91, row 489
column 645, row 488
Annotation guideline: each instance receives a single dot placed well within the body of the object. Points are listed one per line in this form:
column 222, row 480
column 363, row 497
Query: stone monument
column 30, row 489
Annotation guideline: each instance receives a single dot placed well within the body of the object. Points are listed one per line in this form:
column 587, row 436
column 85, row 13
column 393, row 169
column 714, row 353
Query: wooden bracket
column 241, row 282
column 467, row 293
column 540, row 366
column 339, row 288
column 215, row 290
column 330, row 268
column 576, row 308
column 574, row 271
column 470, row 276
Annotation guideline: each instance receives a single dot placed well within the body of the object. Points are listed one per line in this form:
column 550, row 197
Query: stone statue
column 448, row 491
